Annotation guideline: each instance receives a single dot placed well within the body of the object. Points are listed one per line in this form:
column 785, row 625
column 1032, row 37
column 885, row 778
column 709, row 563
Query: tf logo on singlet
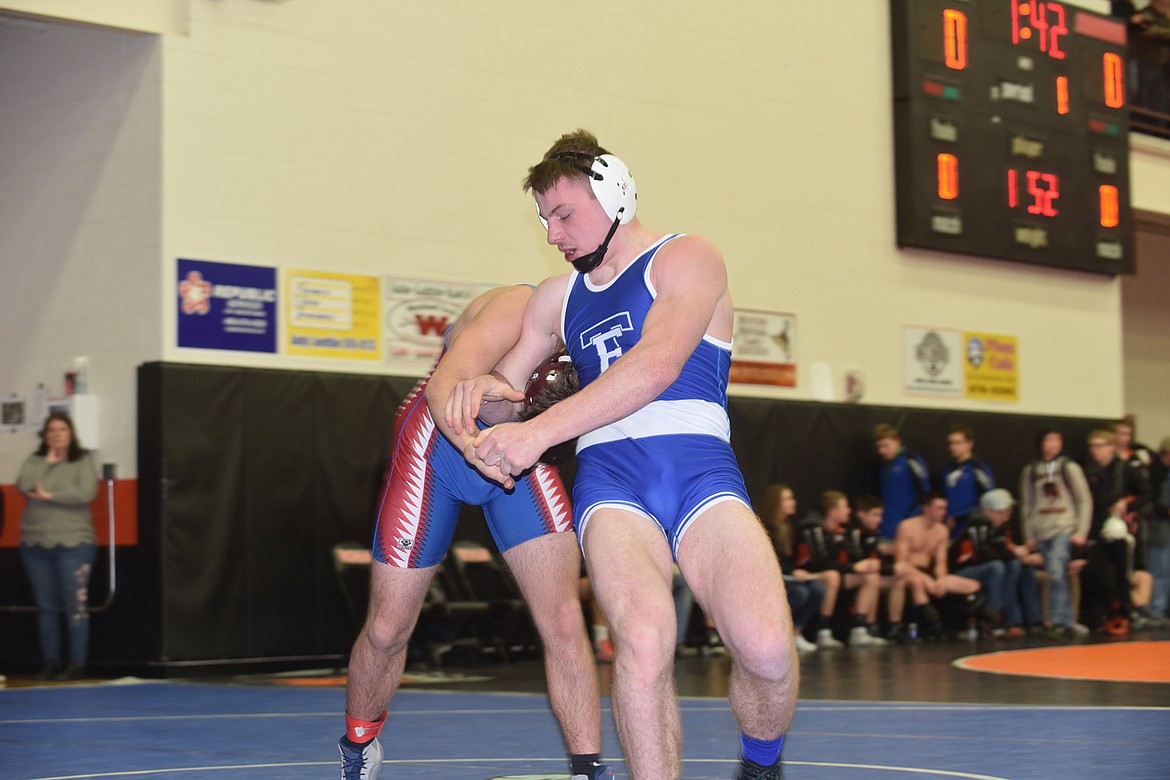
column 604, row 336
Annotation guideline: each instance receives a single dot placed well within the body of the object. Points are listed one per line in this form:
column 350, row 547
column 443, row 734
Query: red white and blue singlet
column 427, row 481
column 672, row 459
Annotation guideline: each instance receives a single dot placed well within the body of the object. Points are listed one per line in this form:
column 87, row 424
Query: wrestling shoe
column 600, row 772
column 750, row 770
column 360, row 762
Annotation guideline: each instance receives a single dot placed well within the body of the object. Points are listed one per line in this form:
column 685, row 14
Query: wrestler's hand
column 494, row 473
column 513, row 447
column 466, row 398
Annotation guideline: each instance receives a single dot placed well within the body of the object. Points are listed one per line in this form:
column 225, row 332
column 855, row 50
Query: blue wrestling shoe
column 750, row 770
column 600, row 772
column 360, row 762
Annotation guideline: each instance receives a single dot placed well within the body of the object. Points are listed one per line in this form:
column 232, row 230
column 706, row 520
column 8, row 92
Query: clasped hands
column 503, row 451
column 39, row 492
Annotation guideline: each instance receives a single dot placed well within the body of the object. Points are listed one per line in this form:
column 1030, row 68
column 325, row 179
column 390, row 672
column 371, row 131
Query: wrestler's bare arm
column 479, row 340
column 537, row 339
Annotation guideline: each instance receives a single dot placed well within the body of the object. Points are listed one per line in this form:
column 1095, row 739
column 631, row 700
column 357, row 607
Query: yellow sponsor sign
column 991, row 367
column 333, row 315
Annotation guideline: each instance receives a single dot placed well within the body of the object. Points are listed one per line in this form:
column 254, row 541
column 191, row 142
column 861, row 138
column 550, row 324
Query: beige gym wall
column 380, row 137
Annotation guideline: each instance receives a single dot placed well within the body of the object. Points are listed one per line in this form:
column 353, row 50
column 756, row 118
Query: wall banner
column 332, row 315
column 764, row 351
column 226, row 306
column 991, row 367
column 932, row 360
column 416, row 315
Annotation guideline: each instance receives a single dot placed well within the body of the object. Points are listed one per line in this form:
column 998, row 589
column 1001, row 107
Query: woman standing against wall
column 58, row 544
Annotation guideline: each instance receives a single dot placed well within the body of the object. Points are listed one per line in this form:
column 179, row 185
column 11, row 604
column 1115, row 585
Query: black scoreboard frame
column 1011, row 132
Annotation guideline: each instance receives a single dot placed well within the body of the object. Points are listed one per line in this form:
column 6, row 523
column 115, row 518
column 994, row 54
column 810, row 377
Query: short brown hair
column 962, row 430
column 569, row 157
column 885, row 431
column 868, row 503
column 830, row 499
column 1127, row 421
column 1103, row 434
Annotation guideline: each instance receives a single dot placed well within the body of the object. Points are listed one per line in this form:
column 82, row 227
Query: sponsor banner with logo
column 226, row 306
column 933, row 361
column 332, row 315
column 764, row 351
column 416, row 314
column 991, row 366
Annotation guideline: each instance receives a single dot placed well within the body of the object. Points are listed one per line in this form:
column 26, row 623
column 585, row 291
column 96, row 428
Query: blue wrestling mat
column 197, row 731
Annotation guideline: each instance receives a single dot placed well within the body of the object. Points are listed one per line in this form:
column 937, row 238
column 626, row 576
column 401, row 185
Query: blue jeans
column 990, row 575
column 1021, row 589
column 804, row 599
column 1159, row 559
column 1056, row 554
column 59, row 577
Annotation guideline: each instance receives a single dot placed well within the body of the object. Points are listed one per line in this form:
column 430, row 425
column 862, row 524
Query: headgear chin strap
column 587, row 263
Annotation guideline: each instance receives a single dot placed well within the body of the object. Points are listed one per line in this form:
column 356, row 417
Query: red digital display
column 948, row 176
column 1041, row 23
column 955, row 38
column 1114, row 79
column 1110, row 207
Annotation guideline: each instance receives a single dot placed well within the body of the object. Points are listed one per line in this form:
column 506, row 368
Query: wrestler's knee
column 646, row 648
column 764, row 653
column 560, row 623
column 388, row 631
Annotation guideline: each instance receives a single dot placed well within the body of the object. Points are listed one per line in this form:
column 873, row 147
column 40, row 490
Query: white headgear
column 612, row 185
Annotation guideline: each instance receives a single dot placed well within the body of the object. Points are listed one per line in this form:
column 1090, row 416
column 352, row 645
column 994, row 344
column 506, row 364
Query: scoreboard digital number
column 1011, row 132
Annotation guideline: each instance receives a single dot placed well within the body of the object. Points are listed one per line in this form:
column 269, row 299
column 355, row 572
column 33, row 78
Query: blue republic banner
column 226, row 306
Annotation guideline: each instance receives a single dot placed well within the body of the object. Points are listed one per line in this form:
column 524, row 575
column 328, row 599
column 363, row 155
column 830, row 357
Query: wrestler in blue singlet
column 672, row 459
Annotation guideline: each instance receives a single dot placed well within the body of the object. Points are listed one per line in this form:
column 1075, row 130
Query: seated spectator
column 922, row 542
column 903, row 477
column 865, row 547
column 1056, row 508
column 965, row 479
column 822, row 551
column 1158, row 548
column 805, row 590
column 988, row 554
column 1118, row 496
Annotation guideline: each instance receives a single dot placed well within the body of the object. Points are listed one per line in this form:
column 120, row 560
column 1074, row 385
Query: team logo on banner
column 932, row 360
column 226, row 306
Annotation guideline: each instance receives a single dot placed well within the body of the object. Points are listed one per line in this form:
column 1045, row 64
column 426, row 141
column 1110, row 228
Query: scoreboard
column 1011, row 132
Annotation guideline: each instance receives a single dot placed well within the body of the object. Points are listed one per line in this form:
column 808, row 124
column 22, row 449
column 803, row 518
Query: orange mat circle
column 1147, row 662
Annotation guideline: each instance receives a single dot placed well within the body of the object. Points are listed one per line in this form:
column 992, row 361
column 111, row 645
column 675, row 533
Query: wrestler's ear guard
column 612, row 185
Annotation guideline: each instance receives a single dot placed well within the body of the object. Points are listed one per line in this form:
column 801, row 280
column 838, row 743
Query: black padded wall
column 260, row 474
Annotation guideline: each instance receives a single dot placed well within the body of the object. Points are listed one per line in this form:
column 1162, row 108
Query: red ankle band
column 362, row 731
